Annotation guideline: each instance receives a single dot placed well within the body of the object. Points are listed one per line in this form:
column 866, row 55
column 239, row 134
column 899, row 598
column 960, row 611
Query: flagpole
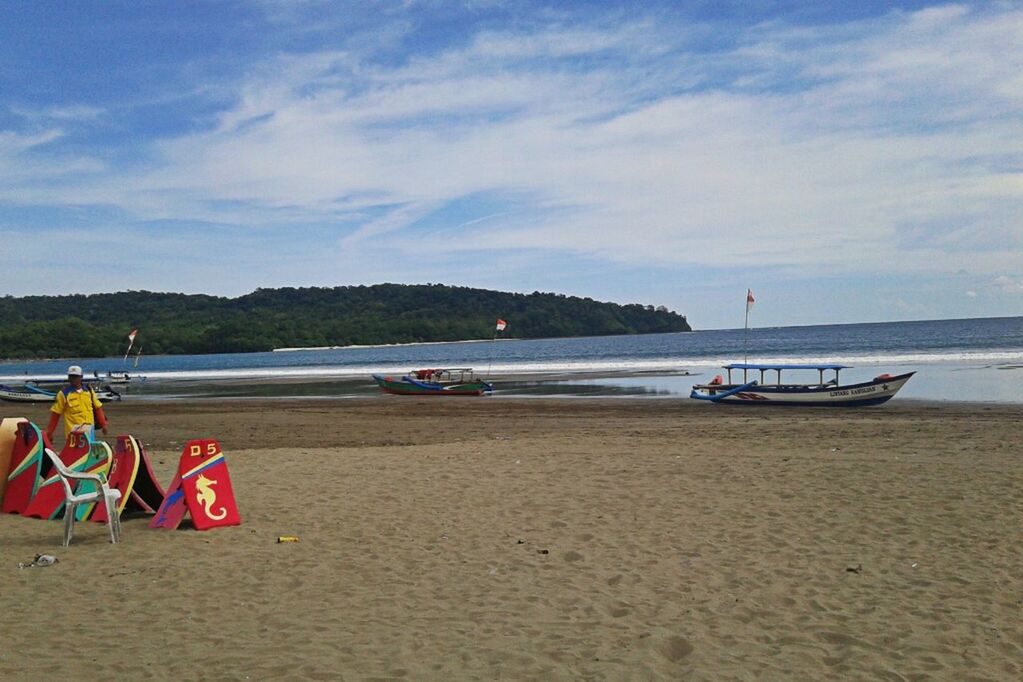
column 131, row 342
column 498, row 327
column 745, row 338
column 745, row 329
column 493, row 345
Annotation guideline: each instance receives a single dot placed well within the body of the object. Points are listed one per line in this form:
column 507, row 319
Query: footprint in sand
column 676, row 648
column 620, row 610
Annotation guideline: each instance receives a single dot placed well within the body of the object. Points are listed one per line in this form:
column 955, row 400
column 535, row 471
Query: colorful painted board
column 203, row 486
column 123, row 471
column 173, row 509
column 207, row 486
column 49, row 498
column 147, row 493
column 24, row 473
column 99, row 461
column 132, row 474
column 8, row 430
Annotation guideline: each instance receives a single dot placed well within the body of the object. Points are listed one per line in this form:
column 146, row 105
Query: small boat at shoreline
column 30, row 393
column 99, row 382
column 445, row 381
column 13, row 394
column 116, row 377
column 822, row 393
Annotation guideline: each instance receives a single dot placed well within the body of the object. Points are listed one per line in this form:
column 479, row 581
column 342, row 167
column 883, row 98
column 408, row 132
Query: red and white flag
column 749, row 300
column 131, row 342
column 501, row 324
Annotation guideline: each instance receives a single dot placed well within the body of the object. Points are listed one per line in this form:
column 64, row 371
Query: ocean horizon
column 958, row 359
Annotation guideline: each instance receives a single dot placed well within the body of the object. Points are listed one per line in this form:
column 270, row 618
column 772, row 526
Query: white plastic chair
column 109, row 497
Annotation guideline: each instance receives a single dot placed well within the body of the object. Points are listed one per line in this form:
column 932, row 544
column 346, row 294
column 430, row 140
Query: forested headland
column 97, row 325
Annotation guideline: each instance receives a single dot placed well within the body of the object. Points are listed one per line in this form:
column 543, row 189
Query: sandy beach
column 547, row 539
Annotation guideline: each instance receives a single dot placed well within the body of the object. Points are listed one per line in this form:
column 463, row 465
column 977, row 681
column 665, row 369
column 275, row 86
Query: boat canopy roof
column 783, row 366
column 444, row 369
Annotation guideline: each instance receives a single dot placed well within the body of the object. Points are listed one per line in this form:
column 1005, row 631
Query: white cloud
column 888, row 145
column 12, row 143
column 1008, row 285
column 59, row 113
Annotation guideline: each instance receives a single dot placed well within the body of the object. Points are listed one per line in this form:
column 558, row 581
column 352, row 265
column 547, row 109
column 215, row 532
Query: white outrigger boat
column 14, row 394
column 30, row 393
column 116, row 378
column 830, row 393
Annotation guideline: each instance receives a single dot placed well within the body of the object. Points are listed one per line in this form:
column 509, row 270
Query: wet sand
column 548, row 539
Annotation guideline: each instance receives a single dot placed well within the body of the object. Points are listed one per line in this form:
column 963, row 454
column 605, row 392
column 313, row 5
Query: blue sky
column 847, row 161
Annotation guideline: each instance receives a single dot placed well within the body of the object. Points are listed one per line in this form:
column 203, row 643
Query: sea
column 971, row 360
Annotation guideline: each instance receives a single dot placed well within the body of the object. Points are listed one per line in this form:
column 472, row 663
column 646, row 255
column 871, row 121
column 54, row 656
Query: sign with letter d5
column 203, row 485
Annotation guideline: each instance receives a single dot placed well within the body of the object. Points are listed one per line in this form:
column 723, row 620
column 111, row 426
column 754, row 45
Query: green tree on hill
column 98, row 324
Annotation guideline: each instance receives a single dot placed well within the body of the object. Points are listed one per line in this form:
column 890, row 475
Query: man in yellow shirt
column 78, row 405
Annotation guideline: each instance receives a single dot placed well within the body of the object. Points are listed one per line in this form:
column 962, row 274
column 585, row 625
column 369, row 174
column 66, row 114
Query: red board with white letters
column 202, row 487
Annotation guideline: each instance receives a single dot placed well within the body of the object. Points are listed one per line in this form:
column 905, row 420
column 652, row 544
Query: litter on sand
column 40, row 560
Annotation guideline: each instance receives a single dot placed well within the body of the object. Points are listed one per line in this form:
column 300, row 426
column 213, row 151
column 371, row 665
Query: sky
column 846, row 161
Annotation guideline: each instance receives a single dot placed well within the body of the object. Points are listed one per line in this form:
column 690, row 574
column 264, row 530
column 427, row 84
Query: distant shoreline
column 384, row 345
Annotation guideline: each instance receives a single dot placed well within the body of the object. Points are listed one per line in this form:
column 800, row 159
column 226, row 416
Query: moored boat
column 116, row 377
column 822, row 393
column 445, row 381
column 33, row 393
column 23, row 395
column 99, row 382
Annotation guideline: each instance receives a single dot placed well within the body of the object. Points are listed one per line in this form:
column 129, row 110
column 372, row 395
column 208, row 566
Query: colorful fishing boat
column 97, row 381
column 31, row 393
column 751, row 390
column 23, row 395
column 445, row 381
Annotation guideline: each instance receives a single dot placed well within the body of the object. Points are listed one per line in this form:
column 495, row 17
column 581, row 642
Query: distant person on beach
column 78, row 405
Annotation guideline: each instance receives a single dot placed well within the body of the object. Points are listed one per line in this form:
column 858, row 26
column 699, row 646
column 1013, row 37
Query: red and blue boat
column 444, row 381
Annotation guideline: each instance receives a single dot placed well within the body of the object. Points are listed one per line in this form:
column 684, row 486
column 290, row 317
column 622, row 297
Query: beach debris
column 543, row 551
column 835, row 449
column 858, row 568
column 133, row 572
column 520, row 542
column 914, row 565
column 286, row 538
column 40, row 560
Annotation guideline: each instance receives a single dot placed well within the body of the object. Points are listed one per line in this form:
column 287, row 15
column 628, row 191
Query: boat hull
column 865, row 394
column 34, row 394
column 16, row 396
column 407, row 386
